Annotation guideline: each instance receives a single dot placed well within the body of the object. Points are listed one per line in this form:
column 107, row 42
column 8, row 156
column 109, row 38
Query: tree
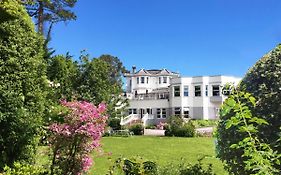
column 51, row 11
column 97, row 84
column 22, row 83
column 63, row 72
column 116, row 68
column 263, row 81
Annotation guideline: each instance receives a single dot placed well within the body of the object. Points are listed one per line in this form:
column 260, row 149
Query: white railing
column 129, row 119
column 147, row 117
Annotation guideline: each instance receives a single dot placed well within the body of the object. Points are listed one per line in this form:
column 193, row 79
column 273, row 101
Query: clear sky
column 193, row 37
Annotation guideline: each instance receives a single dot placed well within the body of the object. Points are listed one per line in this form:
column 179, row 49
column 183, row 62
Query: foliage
column 51, row 11
column 114, row 123
column 134, row 166
column 22, row 84
column 263, row 81
column 24, row 169
column 239, row 144
column 116, row 68
column 95, row 85
column 76, row 137
column 62, row 71
column 150, row 127
column 204, row 123
column 176, row 126
column 137, row 129
column 138, row 166
column 186, row 169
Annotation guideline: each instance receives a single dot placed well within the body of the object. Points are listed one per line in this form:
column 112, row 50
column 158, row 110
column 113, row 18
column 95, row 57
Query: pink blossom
column 84, row 123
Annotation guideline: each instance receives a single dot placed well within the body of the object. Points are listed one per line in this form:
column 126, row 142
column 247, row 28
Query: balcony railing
column 151, row 96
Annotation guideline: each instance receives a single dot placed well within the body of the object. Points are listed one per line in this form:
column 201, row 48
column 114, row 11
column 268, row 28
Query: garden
column 55, row 112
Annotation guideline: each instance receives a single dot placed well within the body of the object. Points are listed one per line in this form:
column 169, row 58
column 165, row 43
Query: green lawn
column 159, row 149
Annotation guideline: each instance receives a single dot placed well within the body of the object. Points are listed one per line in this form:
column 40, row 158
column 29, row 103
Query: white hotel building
column 154, row 95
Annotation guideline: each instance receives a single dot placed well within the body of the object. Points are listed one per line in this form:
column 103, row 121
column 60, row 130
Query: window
column 177, row 91
column 164, row 79
column 216, row 90
column 186, row 112
column 142, row 80
column 134, row 111
column 197, row 90
column 147, row 80
column 130, row 111
column 148, row 111
column 185, row 91
column 163, row 113
column 138, row 80
column 206, row 90
column 177, row 111
column 159, row 80
column 158, row 113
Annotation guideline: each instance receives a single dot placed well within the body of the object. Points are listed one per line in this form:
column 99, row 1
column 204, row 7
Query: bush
column 73, row 140
column 204, row 123
column 177, row 127
column 134, row 166
column 23, row 84
column 239, row 143
column 150, row 127
column 263, row 81
column 114, row 123
column 25, row 169
column 137, row 129
column 186, row 169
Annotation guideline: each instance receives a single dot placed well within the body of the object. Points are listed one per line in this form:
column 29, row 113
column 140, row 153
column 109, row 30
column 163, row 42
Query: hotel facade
column 154, row 95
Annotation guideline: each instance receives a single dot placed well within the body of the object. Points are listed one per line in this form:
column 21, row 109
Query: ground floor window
column 158, row 113
column 177, row 111
column 148, row 110
column 161, row 113
column 132, row 111
column 186, row 112
column 164, row 114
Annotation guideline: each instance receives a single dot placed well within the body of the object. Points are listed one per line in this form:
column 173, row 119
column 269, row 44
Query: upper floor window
column 185, row 91
column 177, row 91
column 216, row 90
column 147, row 80
column 159, row 80
column 138, row 80
column 206, row 90
column 142, row 80
column 164, row 79
column 197, row 91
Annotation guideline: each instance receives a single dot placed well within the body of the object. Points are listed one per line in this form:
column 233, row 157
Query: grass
column 162, row 150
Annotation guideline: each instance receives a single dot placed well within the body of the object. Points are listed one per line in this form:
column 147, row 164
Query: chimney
column 134, row 69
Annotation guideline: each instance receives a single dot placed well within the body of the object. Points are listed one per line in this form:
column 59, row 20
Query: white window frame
column 185, row 90
column 142, row 80
column 195, row 91
column 178, row 92
column 216, row 93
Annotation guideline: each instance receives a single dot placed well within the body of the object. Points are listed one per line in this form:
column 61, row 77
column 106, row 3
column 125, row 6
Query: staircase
column 130, row 118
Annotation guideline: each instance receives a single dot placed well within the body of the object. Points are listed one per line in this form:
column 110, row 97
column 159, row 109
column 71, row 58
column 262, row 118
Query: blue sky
column 193, row 37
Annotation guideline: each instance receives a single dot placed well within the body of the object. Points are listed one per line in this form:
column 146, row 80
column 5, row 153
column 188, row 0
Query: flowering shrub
column 73, row 139
column 161, row 125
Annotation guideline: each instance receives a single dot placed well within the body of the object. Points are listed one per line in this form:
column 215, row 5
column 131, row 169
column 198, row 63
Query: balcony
column 151, row 96
column 216, row 99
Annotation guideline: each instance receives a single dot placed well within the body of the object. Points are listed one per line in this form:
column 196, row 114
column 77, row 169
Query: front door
column 141, row 112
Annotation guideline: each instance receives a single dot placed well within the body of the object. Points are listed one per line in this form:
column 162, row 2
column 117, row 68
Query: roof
column 152, row 72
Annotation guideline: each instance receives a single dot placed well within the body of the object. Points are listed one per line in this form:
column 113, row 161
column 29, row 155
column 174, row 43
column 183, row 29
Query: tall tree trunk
column 40, row 18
